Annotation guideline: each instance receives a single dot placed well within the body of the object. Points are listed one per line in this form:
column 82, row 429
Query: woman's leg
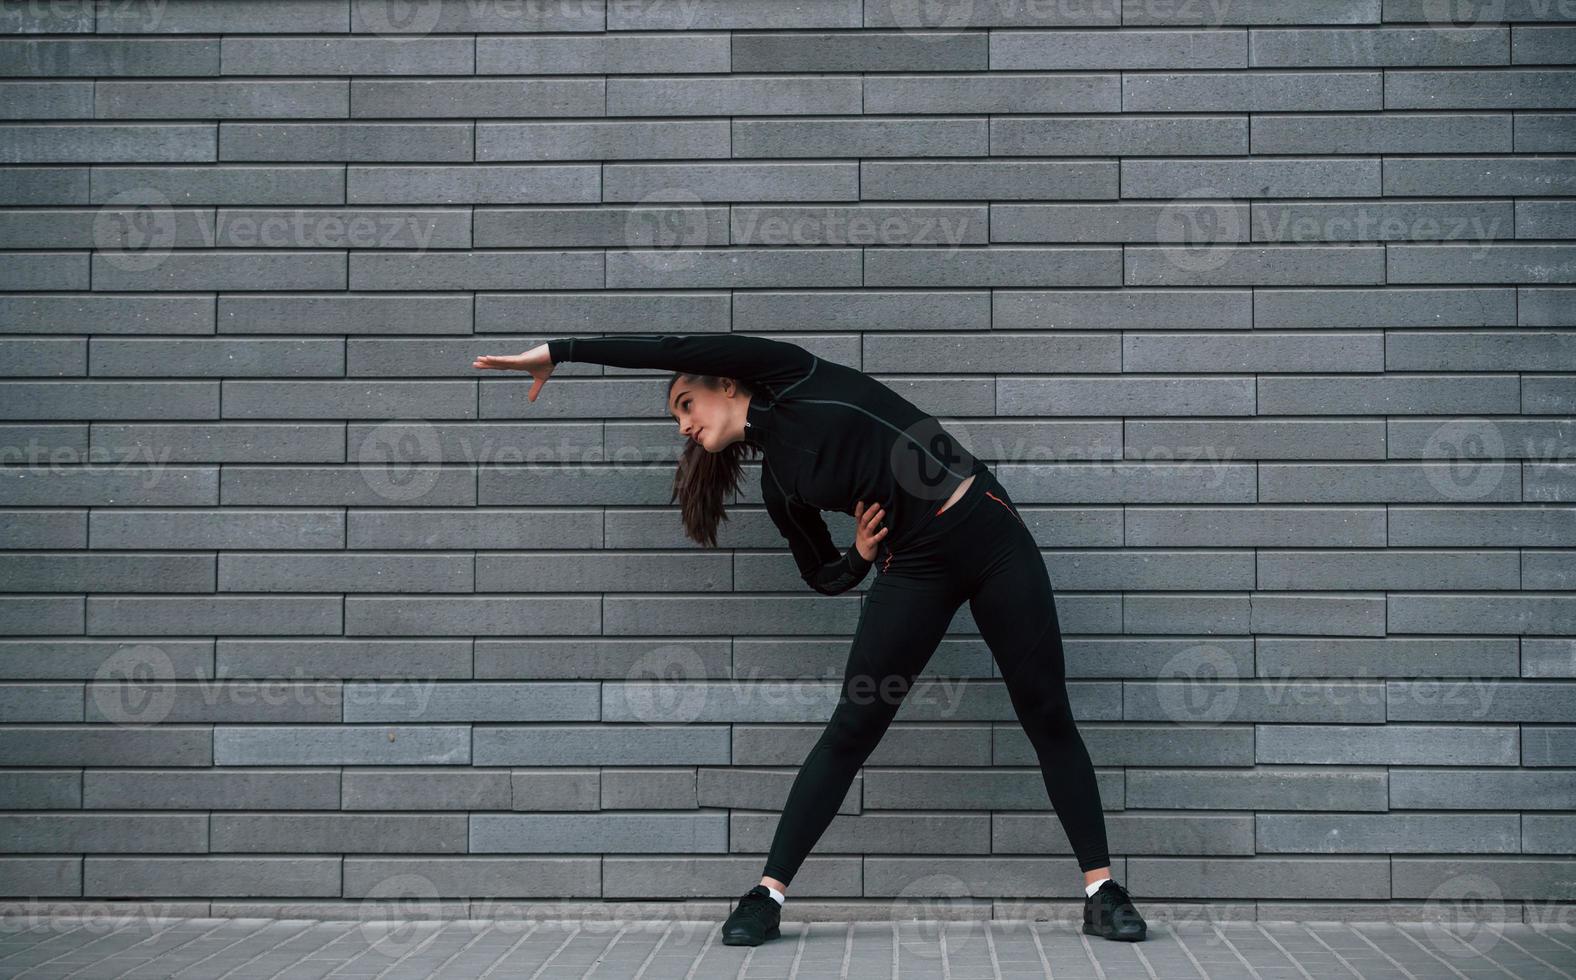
column 1015, row 611
column 901, row 621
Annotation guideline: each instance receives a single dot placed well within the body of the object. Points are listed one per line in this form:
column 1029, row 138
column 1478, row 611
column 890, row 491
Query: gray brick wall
column 1264, row 310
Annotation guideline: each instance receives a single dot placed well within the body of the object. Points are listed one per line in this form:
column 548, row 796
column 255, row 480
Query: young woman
column 930, row 517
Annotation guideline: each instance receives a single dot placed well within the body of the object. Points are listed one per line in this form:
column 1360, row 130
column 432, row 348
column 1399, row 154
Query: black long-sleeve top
column 832, row 436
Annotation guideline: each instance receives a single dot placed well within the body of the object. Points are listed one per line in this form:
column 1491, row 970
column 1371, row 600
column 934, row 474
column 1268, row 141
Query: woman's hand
column 866, row 537
column 535, row 360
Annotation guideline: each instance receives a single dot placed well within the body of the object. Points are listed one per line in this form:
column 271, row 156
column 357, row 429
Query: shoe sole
column 1091, row 930
column 771, row 933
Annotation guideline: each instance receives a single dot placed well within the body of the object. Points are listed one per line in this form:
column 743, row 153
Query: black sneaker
column 1109, row 913
column 754, row 921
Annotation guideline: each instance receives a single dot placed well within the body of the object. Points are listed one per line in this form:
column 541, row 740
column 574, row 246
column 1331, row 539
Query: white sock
column 1089, row 890
column 777, row 896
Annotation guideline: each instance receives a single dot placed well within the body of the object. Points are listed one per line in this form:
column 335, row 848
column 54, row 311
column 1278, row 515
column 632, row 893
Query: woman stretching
column 930, row 517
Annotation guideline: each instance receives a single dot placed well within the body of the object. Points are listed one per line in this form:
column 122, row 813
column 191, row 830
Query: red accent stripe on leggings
column 1005, row 504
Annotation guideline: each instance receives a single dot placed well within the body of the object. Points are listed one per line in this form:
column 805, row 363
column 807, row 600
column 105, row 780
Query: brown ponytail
column 704, row 478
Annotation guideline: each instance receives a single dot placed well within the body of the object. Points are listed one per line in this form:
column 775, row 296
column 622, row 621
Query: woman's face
column 712, row 417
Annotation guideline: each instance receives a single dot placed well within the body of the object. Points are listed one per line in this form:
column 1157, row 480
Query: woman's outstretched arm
column 731, row 355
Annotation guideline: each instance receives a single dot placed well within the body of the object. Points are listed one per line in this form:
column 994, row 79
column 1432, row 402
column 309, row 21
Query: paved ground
column 233, row 949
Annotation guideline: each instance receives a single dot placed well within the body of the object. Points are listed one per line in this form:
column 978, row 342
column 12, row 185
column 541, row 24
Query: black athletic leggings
column 980, row 550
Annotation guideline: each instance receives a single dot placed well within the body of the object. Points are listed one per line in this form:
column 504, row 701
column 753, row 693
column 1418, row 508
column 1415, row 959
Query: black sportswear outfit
column 832, row 435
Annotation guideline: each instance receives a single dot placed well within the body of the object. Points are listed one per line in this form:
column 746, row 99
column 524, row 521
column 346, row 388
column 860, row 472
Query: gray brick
column 1379, row 133
column 600, row 832
column 594, row 140
column 992, row 93
column 1545, row 132
column 1545, row 219
column 1253, row 91
column 649, row 225
column 107, row 745
column 1518, row 614
column 224, row 17
column 870, row 137
column 334, row 833
column 64, row 17
column 1106, row 50
column 385, row 55
column 45, row 100
column 483, row 877
column 1489, row 351
column 604, row 54
column 297, row 98
column 1223, row 12
column 345, row 314
column 341, row 745
column 41, row 789
column 1488, row 263
column 865, row 51
column 112, row 400
column 1383, row 745
column 1214, row 178
column 1476, row 11
column 660, row 182
column 474, row 270
column 1261, row 786
column 557, row 314
column 626, row 745
column 1309, row 395
column 351, row 142
column 1473, row 221
column 476, row 97
column 862, row 310
column 502, row 184
column 1450, row 176
column 864, row 225
column 998, row 180
column 458, row 701
column 129, row 357
column 660, row 877
column 733, row 15
column 1546, row 307
column 1104, row 223
column 733, row 268
column 921, row 15
column 1129, row 309
column 1118, row 135
column 1478, row 789
column 758, row 95
column 887, row 833
column 462, row 16
column 965, row 267
column 97, row 143
column 1261, row 352
column 553, row 789
column 1379, row 47
column 1269, row 265
column 423, row 789
column 1519, row 88
column 1542, row 45
column 211, row 876
column 43, row 185
column 243, row 789
column 648, row 789
column 1331, row 308
column 248, row 185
